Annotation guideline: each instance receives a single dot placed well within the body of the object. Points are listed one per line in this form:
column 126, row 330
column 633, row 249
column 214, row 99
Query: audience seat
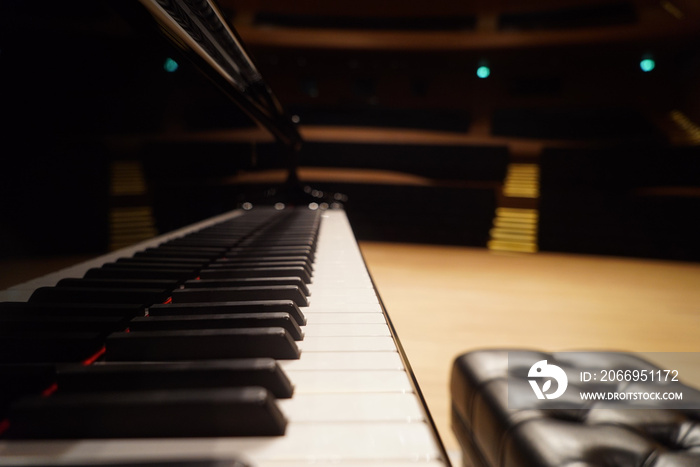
column 621, row 200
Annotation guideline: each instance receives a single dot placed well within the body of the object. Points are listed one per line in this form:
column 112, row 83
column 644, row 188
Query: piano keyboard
column 254, row 338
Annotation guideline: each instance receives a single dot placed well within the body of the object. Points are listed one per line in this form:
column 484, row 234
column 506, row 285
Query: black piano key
column 236, row 273
column 20, row 380
column 261, row 264
column 110, row 376
column 261, row 256
column 293, row 255
column 168, row 261
column 206, row 344
column 281, row 242
column 267, row 306
column 270, row 251
column 148, row 414
column 179, row 261
column 240, row 294
column 231, row 231
column 205, row 254
column 30, row 325
column 27, row 309
column 50, row 347
column 254, row 263
column 141, row 272
column 161, row 284
column 234, row 229
column 265, row 259
column 143, row 263
column 284, row 231
column 211, row 242
column 207, row 251
column 217, row 321
column 248, row 282
column 98, row 295
column 218, row 235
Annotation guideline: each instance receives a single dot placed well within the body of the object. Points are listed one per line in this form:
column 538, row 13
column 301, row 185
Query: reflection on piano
column 253, row 338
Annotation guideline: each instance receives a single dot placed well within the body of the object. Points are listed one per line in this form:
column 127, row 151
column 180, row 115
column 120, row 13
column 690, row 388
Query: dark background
column 619, row 174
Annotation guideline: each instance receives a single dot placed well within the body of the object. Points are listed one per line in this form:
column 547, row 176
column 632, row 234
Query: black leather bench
column 578, row 434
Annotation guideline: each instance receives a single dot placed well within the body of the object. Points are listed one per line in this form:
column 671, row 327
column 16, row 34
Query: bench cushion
column 583, row 434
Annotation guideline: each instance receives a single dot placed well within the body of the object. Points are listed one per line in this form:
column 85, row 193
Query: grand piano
column 255, row 337
column 54, row 199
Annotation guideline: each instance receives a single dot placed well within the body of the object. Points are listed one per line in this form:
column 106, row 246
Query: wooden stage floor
column 445, row 301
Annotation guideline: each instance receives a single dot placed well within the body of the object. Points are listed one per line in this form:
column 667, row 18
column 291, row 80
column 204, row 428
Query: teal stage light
column 483, row 72
column 170, row 65
column 647, row 65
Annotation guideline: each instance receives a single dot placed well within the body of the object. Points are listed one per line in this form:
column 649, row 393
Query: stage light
column 647, row 65
column 170, row 65
column 483, row 72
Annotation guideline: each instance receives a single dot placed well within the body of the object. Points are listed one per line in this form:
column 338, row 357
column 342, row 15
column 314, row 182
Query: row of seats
column 627, row 200
column 565, row 16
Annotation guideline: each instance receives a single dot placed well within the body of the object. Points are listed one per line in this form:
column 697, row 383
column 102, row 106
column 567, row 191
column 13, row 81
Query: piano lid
column 201, row 32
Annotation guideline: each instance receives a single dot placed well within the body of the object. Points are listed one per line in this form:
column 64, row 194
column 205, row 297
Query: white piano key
column 324, row 330
column 332, row 300
column 331, row 277
column 339, row 272
column 364, row 463
column 340, row 265
column 347, row 268
column 322, row 408
column 331, row 296
column 321, row 286
column 314, row 443
column 357, row 381
column 364, row 285
column 334, row 291
column 343, row 318
column 342, row 297
column 340, row 291
column 340, row 307
column 345, row 361
column 347, row 344
column 348, row 259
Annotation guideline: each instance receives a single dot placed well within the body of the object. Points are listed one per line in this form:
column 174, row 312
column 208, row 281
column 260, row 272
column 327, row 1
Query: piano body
column 255, row 337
